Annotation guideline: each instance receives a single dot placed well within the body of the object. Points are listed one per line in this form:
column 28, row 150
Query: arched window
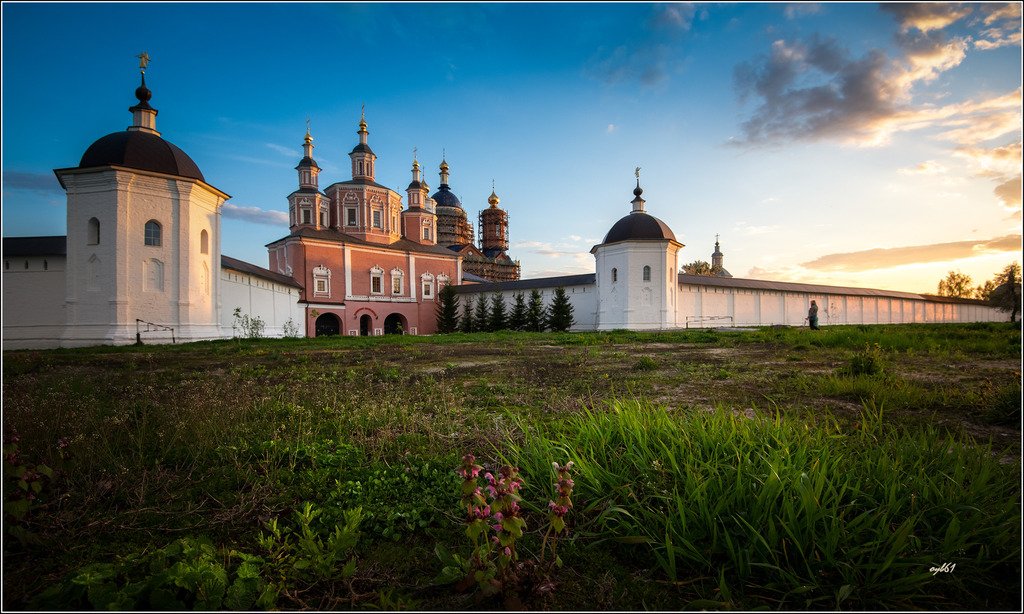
column 647, row 273
column 204, row 242
column 153, row 233
column 615, row 275
column 92, row 234
column 396, row 280
column 376, row 280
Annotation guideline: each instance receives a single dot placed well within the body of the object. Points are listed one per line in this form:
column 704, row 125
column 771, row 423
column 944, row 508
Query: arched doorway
column 365, row 323
column 327, row 325
column 395, row 324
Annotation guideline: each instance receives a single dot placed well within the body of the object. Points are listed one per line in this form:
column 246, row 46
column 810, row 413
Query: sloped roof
column 242, row 266
column 35, row 246
column 529, row 284
column 404, row 245
column 786, row 286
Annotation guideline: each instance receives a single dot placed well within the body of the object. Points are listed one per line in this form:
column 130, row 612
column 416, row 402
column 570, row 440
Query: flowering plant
column 558, row 508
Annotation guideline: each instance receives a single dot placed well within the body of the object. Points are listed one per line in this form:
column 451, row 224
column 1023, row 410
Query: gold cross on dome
column 143, row 60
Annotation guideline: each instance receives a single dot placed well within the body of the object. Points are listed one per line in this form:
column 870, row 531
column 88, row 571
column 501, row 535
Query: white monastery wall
column 258, row 297
column 712, row 306
column 33, row 302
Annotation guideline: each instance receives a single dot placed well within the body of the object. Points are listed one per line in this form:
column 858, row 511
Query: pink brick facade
column 338, row 279
column 366, row 266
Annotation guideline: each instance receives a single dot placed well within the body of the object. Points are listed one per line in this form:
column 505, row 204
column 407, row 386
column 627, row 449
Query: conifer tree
column 517, row 319
column 560, row 318
column 535, row 315
column 447, row 310
column 466, row 323
column 498, row 319
column 481, row 321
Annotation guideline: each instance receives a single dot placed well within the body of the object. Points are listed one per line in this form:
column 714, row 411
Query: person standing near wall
column 812, row 315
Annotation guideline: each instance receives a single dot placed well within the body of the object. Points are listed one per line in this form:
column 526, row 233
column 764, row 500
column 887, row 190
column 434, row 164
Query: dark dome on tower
column 140, row 150
column 639, row 225
column 446, row 198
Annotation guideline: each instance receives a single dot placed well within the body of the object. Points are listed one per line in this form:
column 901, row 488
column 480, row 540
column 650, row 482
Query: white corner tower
column 637, row 271
column 143, row 243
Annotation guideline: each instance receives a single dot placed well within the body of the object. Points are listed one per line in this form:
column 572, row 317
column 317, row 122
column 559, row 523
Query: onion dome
column 493, row 199
column 362, row 147
column 415, row 184
column 444, row 196
column 144, row 95
column 140, row 146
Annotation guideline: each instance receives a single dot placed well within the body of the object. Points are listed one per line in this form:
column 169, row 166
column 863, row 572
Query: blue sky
column 853, row 144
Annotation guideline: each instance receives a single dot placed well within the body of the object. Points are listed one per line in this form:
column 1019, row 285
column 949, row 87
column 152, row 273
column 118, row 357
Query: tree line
column 492, row 315
column 1003, row 291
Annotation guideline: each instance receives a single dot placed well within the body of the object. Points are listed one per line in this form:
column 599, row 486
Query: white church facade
column 142, row 261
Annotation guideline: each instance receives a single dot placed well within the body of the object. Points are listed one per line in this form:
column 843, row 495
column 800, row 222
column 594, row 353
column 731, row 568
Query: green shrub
column 871, row 361
column 645, row 363
column 187, row 574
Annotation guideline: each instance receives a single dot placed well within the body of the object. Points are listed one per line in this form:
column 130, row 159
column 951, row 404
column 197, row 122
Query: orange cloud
column 926, row 16
column 928, row 167
column 1010, row 193
column 883, row 258
column 996, row 162
column 1005, row 22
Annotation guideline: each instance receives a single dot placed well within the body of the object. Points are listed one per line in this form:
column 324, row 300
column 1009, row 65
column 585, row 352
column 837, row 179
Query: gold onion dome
column 493, row 199
column 444, row 165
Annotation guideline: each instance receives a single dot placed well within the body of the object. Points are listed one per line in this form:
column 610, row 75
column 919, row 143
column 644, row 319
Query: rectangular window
column 306, row 216
column 396, row 285
column 321, row 285
column 376, row 219
column 351, row 212
column 428, row 289
column 426, row 233
column 375, row 285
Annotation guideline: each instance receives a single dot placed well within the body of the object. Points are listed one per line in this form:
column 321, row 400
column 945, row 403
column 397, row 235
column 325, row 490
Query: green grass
column 787, row 515
column 682, row 499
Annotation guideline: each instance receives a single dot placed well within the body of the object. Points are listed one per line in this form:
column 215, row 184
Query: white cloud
column 255, row 215
column 611, row 128
column 750, row 230
column 928, row 167
column 285, row 151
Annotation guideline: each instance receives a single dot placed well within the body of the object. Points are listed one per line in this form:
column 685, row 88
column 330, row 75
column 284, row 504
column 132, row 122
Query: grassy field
column 855, row 467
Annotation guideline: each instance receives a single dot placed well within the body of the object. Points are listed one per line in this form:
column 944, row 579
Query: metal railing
column 150, row 327
column 702, row 319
